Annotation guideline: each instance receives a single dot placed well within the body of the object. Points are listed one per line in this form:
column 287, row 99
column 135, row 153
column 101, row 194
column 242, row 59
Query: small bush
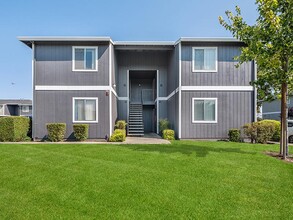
column 277, row 125
column 265, row 132
column 121, row 124
column 250, row 130
column 81, row 131
column 56, row 131
column 163, row 125
column 234, row 135
column 14, row 128
column 119, row 135
column 169, row 134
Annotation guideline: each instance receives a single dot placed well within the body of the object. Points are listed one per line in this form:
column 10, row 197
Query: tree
column 270, row 43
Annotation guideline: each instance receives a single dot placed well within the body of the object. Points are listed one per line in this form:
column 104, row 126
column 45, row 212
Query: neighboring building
column 272, row 110
column 192, row 82
column 15, row 107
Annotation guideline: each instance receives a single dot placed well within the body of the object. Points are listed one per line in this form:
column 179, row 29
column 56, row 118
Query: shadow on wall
column 187, row 149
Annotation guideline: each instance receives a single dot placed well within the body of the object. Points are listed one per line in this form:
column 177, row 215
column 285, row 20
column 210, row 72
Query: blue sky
column 121, row 20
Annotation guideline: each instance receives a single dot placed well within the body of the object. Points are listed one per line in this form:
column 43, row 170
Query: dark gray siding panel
column 163, row 106
column 172, row 110
column 114, row 110
column 53, row 66
column 122, row 110
column 56, row 106
column 227, row 75
column 173, row 70
column 234, row 110
column 146, row 60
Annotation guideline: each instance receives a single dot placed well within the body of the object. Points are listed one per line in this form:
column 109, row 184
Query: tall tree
column 270, row 43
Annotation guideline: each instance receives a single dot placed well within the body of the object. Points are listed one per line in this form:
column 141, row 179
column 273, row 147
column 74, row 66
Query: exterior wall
column 53, row 65
column 20, row 112
column 147, row 60
column 227, row 74
column 57, row 106
column 173, row 70
column 114, row 110
column 173, row 112
column 234, row 110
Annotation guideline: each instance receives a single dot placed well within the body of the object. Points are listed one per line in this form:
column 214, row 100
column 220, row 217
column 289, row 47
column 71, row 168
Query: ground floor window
column 85, row 110
column 204, row 110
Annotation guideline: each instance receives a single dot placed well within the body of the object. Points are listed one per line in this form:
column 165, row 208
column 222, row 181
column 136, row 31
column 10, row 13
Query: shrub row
column 119, row 134
column 56, row 131
column 165, row 131
column 14, row 128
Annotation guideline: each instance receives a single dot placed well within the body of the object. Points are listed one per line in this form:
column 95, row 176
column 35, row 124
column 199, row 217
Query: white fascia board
column 207, row 39
column 217, row 88
column 63, row 38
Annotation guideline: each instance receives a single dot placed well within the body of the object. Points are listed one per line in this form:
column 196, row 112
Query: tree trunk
column 284, row 120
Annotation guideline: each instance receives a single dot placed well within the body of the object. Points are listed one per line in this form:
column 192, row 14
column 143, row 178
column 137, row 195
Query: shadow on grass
column 187, row 149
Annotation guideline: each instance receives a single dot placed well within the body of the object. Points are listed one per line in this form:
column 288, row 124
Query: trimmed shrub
column 14, row 128
column 169, row 134
column 265, row 132
column 250, row 130
column 81, row 131
column 119, row 135
column 259, row 132
column 234, row 135
column 277, row 125
column 163, row 125
column 56, row 131
column 121, row 124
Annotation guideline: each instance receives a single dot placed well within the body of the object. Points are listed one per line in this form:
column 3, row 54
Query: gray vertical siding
column 147, row 60
column 54, row 65
column 234, row 110
column 227, row 75
column 56, row 106
column 114, row 110
column 122, row 110
column 173, row 70
column 173, row 112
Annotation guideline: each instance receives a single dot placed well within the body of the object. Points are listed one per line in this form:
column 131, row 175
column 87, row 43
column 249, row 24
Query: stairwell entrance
column 142, row 114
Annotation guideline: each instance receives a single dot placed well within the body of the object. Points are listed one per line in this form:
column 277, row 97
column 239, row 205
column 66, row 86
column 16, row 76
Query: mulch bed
column 289, row 158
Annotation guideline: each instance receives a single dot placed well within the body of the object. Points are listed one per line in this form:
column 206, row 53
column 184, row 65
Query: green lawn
column 184, row 180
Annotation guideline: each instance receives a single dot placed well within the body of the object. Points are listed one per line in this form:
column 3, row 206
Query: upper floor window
column 204, row 110
column 25, row 108
column 1, row 109
column 84, row 58
column 204, row 59
column 85, row 110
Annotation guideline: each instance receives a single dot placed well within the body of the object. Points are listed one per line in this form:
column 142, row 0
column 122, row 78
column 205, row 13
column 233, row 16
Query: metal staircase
column 135, row 123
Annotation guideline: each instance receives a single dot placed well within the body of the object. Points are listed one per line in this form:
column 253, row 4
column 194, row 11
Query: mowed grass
column 184, row 180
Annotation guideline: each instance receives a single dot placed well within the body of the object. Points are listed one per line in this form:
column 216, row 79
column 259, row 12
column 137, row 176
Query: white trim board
column 69, row 88
column 217, row 88
column 270, row 113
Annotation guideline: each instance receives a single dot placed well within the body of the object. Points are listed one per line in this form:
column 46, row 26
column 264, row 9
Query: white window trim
column 73, row 58
column 204, row 71
column 3, row 109
column 73, row 109
column 216, row 111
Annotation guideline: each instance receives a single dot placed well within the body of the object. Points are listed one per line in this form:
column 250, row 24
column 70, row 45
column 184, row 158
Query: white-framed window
column 85, row 110
column 84, row 58
column 25, row 108
column 204, row 59
column 204, row 110
column 2, row 107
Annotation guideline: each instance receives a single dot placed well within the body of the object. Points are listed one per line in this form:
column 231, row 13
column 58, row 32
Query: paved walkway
column 150, row 138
